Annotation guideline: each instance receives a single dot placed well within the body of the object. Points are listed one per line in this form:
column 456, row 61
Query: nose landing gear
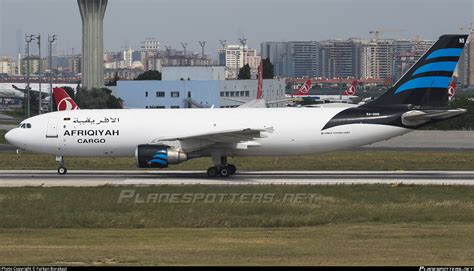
column 62, row 169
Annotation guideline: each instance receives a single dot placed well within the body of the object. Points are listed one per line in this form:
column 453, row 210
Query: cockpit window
column 28, row 125
column 25, row 125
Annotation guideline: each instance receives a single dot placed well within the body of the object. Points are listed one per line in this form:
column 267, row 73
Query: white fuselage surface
column 117, row 132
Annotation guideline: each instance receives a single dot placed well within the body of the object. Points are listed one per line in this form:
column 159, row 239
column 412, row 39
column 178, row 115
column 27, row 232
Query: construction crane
column 377, row 32
column 469, row 27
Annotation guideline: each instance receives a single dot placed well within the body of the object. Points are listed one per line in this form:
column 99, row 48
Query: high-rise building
column 34, row 64
column 304, row 58
column 234, row 57
column 149, row 49
column 276, row 53
column 74, row 64
column 293, row 59
column 252, row 58
column 127, row 57
column 423, row 45
column 377, row 58
column 463, row 67
column 407, row 53
column 403, row 61
column 7, row 65
column 339, row 58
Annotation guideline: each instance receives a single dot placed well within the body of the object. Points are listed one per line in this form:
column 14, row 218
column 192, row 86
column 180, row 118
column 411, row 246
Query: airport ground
column 345, row 160
column 372, row 224
column 337, row 225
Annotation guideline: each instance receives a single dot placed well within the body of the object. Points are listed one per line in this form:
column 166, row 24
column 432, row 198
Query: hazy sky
column 174, row 21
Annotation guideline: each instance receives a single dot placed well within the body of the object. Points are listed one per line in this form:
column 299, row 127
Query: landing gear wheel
column 62, row 170
column 224, row 172
column 212, row 172
column 232, row 169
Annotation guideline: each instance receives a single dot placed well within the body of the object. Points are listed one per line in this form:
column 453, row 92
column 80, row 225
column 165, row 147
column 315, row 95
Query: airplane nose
column 8, row 137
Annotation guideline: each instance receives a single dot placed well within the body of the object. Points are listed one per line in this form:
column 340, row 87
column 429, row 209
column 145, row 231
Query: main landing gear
column 222, row 168
column 62, row 169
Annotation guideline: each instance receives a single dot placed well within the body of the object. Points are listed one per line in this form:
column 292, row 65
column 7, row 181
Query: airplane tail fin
column 426, row 82
column 351, row 90
column 304, row 89
column 260, row 82
column 452, row 89
column 63, row 101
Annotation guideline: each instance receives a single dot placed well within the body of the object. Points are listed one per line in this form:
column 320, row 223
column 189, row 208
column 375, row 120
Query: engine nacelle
column 158, row 156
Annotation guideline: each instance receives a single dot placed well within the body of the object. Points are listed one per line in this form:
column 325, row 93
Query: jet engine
column 158, row 156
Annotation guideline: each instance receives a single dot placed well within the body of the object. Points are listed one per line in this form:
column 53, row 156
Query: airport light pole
column 202, row 44
column 184, row 45
column 40, row 99
column 28, row 39
column 51, row 40
column 223, row 43
column 168, row 50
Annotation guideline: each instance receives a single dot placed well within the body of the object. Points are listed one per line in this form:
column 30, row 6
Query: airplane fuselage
column 291, row 131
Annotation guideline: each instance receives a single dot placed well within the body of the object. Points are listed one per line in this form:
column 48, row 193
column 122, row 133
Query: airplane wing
column 234, row 100
column 281, row 101
column 236, row 138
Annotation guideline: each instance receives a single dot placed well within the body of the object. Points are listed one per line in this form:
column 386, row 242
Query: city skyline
column 260, row 22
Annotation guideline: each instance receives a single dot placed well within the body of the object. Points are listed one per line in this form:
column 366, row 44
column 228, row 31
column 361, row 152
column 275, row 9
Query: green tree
column 113, row 82
column 70, row 91
column 267, row 69
column 244, row 72
column 463, row 122
column 149, row 75
column 97, row 98
column 34, row 103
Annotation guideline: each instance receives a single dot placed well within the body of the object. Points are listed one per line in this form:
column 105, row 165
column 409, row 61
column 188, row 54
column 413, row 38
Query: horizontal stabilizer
column 418, row 117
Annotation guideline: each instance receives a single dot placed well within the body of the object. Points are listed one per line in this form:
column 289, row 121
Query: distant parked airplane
column 347, row 95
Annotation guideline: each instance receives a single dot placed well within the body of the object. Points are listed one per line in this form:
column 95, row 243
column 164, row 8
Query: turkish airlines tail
column 351, row 90
column 452, row 89
column 63, row 100
column 304, row 89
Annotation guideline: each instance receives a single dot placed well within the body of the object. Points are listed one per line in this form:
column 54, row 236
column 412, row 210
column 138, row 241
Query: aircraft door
column 52, row 129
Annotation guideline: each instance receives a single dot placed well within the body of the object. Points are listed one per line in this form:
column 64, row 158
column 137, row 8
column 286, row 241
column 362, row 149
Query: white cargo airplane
column 158, row 138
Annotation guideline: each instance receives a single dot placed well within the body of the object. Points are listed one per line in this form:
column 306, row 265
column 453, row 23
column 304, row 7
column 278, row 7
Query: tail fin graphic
column 304, row 89
column 452, row 89
column 426, row 82
column 260, row 82
column 351, row 90
column 63, row 100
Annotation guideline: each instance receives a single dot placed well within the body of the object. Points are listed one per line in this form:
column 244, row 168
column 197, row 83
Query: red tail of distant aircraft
column 351, row 90
column 304, row 89
column 63, row 100
column 452, row 89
